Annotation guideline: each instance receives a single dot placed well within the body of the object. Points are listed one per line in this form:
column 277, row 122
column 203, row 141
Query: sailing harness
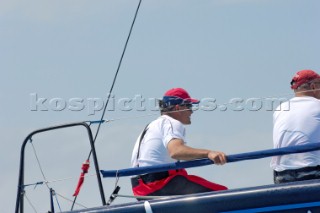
column 146, row 178
column 140, row 140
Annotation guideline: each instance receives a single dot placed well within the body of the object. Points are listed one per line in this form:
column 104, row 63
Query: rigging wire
column 57, row 201
column 54, row 195
column 116, row 74
column 71, row 201
column 46, row 182
column 39, row 164
column 29, row 201
column 111, row 89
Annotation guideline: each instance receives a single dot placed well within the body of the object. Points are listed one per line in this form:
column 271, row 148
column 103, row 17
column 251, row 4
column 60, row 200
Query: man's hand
column 218, row 158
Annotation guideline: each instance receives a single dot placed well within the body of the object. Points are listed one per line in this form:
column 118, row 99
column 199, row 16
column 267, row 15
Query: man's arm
column 179, row 151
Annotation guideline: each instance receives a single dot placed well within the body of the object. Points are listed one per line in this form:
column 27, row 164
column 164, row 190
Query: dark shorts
column 307, row 173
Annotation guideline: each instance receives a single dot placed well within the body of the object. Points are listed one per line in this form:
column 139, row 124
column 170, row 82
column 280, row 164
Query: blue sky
column 62, row 50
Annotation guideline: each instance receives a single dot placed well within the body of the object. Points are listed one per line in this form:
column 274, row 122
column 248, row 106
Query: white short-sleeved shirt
column 296, row 122
column 153, row 148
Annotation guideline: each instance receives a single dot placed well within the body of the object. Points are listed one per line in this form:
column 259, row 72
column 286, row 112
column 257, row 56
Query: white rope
column 131, row 117
column 69, row 178
column 56, row 180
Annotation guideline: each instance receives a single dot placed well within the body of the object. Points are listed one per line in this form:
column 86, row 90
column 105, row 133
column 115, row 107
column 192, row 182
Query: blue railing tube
column 206, row 161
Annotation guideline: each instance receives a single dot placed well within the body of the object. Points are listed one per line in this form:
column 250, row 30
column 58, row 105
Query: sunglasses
column 189, row 106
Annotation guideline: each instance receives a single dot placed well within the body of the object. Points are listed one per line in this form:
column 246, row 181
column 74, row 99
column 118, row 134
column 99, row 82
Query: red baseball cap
column 176, row 96
column 303, row 76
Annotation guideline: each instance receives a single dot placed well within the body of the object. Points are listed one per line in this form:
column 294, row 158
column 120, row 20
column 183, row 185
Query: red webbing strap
column 85, row 168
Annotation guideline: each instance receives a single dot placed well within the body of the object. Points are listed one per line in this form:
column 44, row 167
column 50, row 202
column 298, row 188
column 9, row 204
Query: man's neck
column 173, row 115
column 304, row 93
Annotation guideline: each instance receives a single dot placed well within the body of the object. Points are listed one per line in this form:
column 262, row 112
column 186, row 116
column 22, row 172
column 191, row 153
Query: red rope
column 85, row 168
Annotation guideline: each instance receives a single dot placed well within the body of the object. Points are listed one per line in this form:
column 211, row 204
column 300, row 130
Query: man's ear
column 176, row 107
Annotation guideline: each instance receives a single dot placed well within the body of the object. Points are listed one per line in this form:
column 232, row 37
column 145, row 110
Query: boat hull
column 303, row 196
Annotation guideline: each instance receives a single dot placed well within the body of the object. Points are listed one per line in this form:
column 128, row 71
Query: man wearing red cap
column 163, row 141
column 297, row 126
